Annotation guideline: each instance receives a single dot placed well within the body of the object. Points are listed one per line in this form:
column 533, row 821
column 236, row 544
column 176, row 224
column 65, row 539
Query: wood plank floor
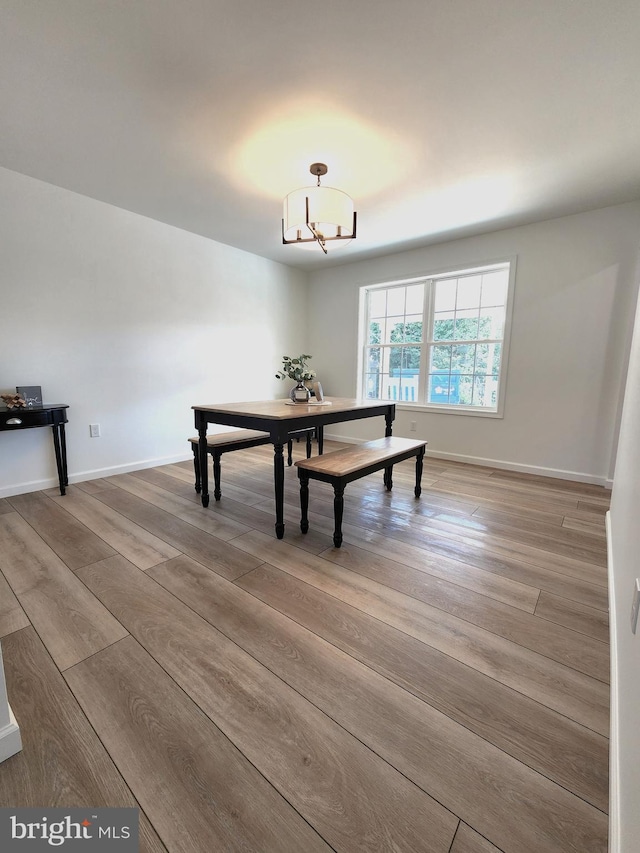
column 437, row 685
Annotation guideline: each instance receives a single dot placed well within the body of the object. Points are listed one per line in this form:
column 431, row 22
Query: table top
column 51, row 415
column 43, row 407
column 281, row 410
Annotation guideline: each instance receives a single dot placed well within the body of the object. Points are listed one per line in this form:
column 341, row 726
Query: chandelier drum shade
column 318, row 214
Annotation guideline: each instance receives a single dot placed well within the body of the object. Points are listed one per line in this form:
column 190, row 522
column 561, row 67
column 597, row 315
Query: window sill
column 447, row 410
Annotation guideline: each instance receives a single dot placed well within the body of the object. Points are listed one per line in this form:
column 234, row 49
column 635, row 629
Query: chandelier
column 318, row 214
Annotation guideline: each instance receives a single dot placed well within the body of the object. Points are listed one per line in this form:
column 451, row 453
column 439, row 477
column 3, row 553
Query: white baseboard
column 81, row 476
column 614, row 741
column 10, row 740
column 558, row 473
column 344, row 439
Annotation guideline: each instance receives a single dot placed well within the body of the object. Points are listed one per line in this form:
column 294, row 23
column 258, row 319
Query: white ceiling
column 440, row 117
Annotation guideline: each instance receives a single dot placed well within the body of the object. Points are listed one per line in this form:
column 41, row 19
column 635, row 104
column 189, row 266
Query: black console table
column 54, row 416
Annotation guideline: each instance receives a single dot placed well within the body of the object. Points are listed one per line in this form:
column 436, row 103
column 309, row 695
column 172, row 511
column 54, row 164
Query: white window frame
column 428, row 279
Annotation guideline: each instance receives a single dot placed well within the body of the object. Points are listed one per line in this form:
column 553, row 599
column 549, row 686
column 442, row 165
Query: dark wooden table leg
column 59, row 463
column 202, row 458
column 388, row 419
column 320, row 435
column 278, row 481
column 304, row 501
column 418, row 489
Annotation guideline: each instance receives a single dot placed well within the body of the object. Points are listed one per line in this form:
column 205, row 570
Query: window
column 438, row 342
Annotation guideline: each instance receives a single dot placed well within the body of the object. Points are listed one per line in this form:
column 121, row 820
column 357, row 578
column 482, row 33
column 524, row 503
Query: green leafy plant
column 296, row 368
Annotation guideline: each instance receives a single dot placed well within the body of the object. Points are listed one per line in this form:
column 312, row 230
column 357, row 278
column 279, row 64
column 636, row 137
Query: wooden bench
column 240, row 439
column 344, row 466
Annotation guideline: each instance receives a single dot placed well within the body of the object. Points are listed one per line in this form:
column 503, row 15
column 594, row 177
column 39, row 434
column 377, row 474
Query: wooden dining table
column 280, row 418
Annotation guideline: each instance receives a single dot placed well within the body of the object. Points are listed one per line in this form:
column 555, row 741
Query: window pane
column 384, row 388
column 411, row 359
column 396, row 335
column 491, row 323
column 440, row 358
column 468, row 292
column 443, row 326
column 395, row 359
column 373, row 359
column 415, row 299
column 439, row 388
column 485, row 390
column 463, row 358
column 494, row 288
column 377, row 303
column 482, row 358
column 408, row 390
column 466, row 328
column 413, row 328
column 494, row 360
column 466, row 390
column 411, row 331
column 445, row 295
column 479, row 390
column 391, row 387
column 375, row 332
column 395, row 302
column 372, row 386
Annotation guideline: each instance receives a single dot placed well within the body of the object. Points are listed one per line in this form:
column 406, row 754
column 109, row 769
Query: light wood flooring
column 439, row 684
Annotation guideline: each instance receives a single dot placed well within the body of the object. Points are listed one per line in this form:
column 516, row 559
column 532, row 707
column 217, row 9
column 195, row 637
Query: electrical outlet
column 412, row 426
column 635, row 607
column 94, row 430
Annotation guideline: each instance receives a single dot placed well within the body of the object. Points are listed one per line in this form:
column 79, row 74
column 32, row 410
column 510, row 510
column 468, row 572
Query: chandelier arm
column 311, row 226
column 318, row 237
column 302, row 240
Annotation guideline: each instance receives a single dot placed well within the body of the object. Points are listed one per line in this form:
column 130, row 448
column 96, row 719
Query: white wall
column 624, row 568
column 10, row 739
column 574, row 297
column 130, row 322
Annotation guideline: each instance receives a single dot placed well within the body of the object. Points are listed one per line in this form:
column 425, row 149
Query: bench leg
column 196, row 468
column 203, row 463
column 388, row 478
column 338, row 507
column 217, row 494
column 418, row 489
column 304, row 502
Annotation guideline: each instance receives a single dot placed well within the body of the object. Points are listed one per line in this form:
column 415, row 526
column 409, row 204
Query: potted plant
column 298, row 370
